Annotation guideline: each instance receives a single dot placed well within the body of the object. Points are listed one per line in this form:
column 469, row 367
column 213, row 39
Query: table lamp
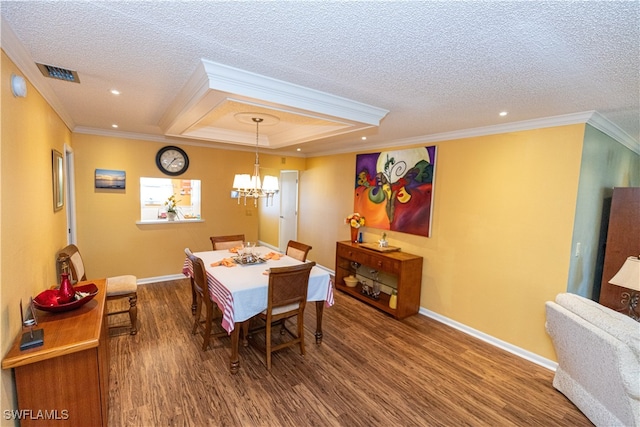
column 629, row 277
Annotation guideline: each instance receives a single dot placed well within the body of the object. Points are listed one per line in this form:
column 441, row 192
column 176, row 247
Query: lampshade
column 241, row 181
column 629, row 275
column 270, row 183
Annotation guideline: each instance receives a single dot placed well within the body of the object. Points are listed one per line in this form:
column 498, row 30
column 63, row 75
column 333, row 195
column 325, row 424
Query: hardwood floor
column 370, row 370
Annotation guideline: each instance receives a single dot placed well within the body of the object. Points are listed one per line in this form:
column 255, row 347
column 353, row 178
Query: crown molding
column 19, row 55
column 592, row 118
column 541, row 123
column 609, row 128
column 108, row 133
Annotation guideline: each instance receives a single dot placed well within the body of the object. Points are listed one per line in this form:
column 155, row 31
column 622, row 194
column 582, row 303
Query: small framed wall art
column 111, row 179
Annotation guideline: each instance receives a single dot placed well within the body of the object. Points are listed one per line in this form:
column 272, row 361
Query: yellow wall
column 31, row 231
column 108, row 236
column 502, row 228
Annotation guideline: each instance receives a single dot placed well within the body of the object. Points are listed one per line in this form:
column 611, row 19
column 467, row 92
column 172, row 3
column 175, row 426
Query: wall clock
column 172, row 160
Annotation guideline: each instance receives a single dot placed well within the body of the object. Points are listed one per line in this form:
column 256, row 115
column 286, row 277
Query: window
column 154, row 192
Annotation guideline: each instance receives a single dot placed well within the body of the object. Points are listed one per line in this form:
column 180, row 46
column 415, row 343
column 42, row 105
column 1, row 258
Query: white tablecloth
column 241, row 291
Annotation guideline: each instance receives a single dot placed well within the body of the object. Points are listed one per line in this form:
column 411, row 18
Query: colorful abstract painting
column 394, row 189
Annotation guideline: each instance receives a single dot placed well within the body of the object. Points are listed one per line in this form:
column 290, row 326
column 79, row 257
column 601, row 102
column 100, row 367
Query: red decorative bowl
column 47, row 300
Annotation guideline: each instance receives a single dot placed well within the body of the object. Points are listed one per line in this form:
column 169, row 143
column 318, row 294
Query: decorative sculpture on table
column 383, row 241
column 32, row 338
column 66, row 293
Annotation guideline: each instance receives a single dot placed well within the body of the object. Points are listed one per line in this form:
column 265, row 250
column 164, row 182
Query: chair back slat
column 199, row 272
column 298, row 250
column 226, row 242
column 71, row 255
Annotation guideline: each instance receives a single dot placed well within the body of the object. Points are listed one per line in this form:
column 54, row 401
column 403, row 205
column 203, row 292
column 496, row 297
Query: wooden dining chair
column 203, row 298
column 117, row 287
column 226, row 242
column 298, row 250
column 287, row 298
column 194, row 295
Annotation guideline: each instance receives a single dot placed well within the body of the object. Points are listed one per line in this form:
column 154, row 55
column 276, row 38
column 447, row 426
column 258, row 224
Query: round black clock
column 172, row 160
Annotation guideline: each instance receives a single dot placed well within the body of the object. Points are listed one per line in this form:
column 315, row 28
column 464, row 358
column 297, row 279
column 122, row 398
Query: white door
column 288, row 208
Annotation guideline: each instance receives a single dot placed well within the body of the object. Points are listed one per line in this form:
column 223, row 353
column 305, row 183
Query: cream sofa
column 598, row 353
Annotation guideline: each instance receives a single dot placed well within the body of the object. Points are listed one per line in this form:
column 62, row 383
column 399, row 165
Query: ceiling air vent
column 58, row 73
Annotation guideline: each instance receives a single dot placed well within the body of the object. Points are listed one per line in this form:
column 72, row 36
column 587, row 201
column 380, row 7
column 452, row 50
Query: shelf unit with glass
column 387, row 271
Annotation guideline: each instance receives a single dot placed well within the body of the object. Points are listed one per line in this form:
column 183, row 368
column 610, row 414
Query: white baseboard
column 520, row 352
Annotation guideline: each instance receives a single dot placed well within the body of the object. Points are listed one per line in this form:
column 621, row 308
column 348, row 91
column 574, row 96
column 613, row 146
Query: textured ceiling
column 438, row 67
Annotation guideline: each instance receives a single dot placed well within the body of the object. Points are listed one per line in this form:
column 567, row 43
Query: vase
column 66, row 293
column 354, row 235
column 393, row 300
column 171, row 216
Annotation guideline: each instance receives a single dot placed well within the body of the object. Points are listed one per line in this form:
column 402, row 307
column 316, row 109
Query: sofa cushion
column 616, row 324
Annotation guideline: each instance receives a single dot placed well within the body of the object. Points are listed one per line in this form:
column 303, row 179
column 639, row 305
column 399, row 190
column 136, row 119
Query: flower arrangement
column 355, row 220
column 172, row 204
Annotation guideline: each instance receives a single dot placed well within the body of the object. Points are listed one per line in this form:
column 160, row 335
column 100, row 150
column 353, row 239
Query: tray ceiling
column 218, row 101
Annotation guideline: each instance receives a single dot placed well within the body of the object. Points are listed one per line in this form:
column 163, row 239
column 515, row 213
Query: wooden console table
column 65, row 382
column 404, row 269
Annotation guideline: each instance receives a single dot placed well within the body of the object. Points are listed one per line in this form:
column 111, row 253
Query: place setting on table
column 247, row 254
column 238, row 281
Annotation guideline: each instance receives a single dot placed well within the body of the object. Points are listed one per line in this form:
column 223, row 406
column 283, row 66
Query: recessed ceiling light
column 115, row 126
column 298, row 149
column 364, row 138
column 503, row 113
column 115, row 91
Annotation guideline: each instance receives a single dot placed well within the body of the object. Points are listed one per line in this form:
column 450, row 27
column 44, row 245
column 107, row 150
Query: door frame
column 70, row 194
column 291, row 198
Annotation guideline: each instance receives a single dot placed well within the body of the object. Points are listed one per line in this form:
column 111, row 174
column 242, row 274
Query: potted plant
column 171, row 206
column 355, row 221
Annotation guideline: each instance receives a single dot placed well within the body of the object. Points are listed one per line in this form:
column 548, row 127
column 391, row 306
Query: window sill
column 166, row 221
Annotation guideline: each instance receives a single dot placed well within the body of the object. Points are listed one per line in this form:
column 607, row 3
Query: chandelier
column 250, row 185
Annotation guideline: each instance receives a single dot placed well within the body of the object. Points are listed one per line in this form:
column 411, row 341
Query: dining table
column 240, row 290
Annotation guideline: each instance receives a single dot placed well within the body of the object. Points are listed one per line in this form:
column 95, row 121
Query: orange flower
column 355, row 220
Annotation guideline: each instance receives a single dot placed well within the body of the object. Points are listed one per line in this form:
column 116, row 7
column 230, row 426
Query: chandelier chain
column 257, row 120
column 250, row 185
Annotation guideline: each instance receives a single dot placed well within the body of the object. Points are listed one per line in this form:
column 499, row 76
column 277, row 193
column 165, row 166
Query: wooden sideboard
column 402, row 269
column 65, row 381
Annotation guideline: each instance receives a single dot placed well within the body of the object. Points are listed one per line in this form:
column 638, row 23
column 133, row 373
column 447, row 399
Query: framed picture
column 394, row 189
column 57, row 167
column 114, row 180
